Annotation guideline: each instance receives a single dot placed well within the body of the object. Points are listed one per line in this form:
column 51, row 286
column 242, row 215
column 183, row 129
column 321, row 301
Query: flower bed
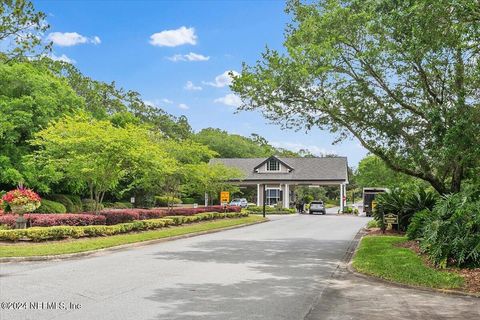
column 62, row 232
column 108, row 217
column 116, row 216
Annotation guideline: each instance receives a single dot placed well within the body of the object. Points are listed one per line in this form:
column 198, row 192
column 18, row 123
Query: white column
column 206, row 199
column 258, row 195
column 341, row 197
column 286, row 197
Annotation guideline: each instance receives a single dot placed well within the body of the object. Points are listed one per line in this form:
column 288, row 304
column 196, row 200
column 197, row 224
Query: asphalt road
column 274, row 270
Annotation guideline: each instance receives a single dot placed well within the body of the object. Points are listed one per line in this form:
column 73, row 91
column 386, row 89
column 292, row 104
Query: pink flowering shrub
column 108, row 217
column 67, row 219
column 119, row 216
column 49, row 220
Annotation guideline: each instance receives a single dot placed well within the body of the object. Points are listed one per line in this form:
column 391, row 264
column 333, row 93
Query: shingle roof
column 334, row 168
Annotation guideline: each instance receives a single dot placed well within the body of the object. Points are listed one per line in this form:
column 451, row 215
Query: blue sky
column 175, row 53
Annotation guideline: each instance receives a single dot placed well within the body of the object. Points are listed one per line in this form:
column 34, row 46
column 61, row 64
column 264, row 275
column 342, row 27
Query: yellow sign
column 224, row 197
column 374, row 205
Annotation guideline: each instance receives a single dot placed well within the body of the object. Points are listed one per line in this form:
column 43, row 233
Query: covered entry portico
column 280, row 176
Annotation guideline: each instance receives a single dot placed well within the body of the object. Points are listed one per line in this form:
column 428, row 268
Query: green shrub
column 117, row 205
column 122, row 205
column 189, row 200
column 270, row 210
column 49, row 206
column 452, row 235
column 89, row 205
column 63, row 199
column 373, row 224
column 417, row 223
column 77, row 202
column 404, row 204
column 349, row 210
column 165, row 201
column 62, row 232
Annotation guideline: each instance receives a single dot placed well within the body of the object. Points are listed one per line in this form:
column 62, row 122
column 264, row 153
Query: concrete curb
column 100, row 252
column 371, row 278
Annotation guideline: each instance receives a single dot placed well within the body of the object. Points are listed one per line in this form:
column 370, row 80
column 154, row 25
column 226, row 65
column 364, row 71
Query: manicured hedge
column 8, row 220
column 108, row 217
column 127, row 215
column 270, row 210
column 62, row 232
column 71, row 219
column 120, row 216
column 49, row 220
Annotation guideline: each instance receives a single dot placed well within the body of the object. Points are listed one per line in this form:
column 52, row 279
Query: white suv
column 317, row 206
column 240, row 202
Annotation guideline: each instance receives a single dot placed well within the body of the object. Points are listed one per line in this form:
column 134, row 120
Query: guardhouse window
column 273, row 196
column 273, row 165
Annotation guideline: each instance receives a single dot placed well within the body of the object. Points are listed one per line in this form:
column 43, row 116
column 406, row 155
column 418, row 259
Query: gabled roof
column 305, row 169
column 273, row 158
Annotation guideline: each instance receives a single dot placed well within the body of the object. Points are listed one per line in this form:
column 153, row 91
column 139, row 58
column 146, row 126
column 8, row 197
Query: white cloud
column 223, row 79
column 157, row 103
column 296, row 147
column 183, row 106
column 230, row 99
column 62, row 57
column 96, row 40
column 68, row 39
column 191, row 87
column 150, row 103
column 173, row 38
column 196, row 57
column 189, row 57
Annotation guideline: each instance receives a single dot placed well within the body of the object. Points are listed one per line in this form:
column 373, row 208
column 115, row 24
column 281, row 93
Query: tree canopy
column 21, row 27
column 373, row 172
column 228, row 145
column 95, row 155
column 29, row 99
column 401, row 77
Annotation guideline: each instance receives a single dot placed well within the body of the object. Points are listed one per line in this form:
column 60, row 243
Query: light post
column 264, row 199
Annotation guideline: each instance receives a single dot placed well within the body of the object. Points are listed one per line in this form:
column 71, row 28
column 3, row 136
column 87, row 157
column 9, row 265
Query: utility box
column 369, row 202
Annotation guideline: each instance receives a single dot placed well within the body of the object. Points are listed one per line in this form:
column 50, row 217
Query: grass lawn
column 378, row 256
column 88, row 244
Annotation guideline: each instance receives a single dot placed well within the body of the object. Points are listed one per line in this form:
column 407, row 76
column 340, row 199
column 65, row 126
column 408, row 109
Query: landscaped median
column 102, row 236
column 386, row 257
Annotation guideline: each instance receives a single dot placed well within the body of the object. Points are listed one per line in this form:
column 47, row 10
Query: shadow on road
column 288, row 272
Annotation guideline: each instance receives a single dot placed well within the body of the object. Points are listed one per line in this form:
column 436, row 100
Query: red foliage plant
column 49, row 220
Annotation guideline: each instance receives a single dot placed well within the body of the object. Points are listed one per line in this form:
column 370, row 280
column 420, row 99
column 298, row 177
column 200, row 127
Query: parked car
column 317, row 206
column 241, row 202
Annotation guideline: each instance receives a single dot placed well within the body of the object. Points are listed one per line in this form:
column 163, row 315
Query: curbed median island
column 128, row 233
column 62, row 232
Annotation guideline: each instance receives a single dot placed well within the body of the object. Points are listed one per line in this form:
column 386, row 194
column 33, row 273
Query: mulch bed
column 378, row 231
column 471, row 276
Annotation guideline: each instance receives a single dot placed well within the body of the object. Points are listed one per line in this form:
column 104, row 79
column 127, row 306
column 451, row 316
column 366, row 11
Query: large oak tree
column 402, row 77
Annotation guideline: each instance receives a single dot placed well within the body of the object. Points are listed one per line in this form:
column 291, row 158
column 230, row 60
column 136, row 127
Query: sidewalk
column 352, row 297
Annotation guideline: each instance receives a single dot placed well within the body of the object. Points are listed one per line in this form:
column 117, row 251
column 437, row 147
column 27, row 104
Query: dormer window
column 273, row 165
